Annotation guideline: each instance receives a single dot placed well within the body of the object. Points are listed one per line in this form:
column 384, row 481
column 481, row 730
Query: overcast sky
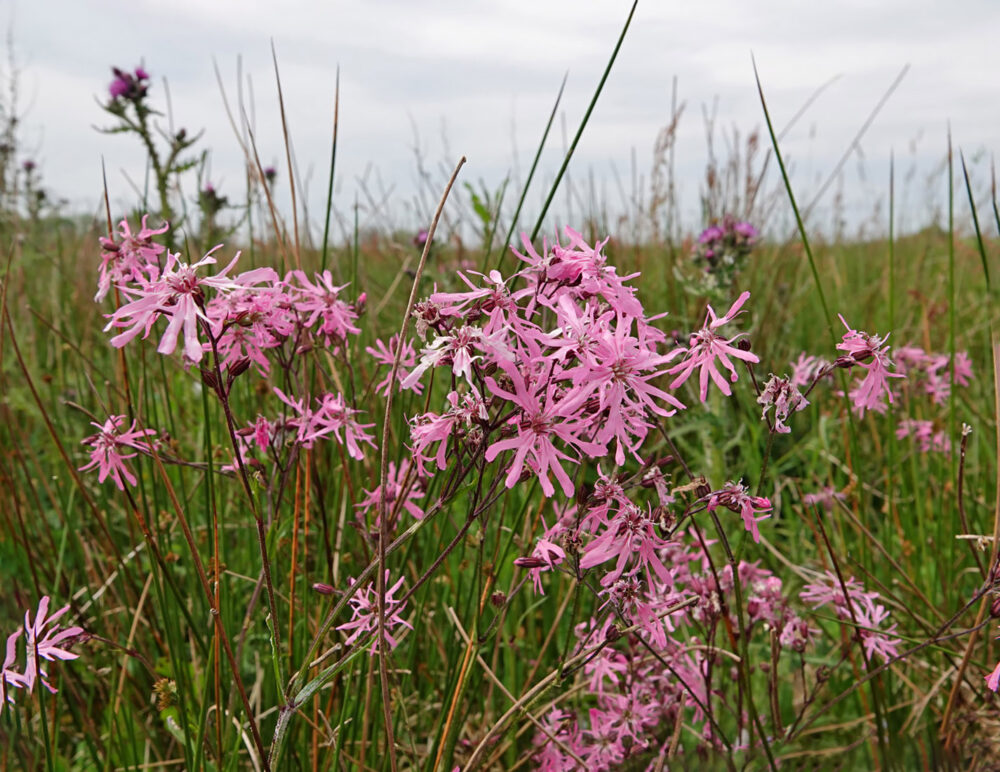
column 479, row 79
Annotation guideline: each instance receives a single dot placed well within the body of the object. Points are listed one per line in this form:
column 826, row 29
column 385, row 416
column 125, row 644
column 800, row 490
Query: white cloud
column 490, row 72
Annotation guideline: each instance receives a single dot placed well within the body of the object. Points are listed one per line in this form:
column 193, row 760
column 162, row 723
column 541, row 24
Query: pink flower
column 44, row 639
column 993, row 679
column 631, row 532
column 107, row 456
column 619, row 367
column 364, row 618
column 868, row 352
column 546, row 556
column 857, row 607
column 402, row 490
column 321, row 302
column 808, row 368
column 8, row 676
column 179, row 294
column 386, row 355
column 734, row 497
column 823, row 498
column 466, row 410
column 780, row 394
column 705, row 347
column 544, row 419
column 136, row 258
column 252, row 320
column 924, row 435
column 332, row 417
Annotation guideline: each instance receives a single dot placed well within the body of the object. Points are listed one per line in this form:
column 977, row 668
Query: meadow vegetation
column 622, row 496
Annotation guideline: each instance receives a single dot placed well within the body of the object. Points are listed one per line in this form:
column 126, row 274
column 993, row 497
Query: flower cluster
column 853, row 604
column 634, row 695
column 860, row 349
column 244, row 320
column 930, row 375
column 782, row 395
column 44, row 639
column 135, row 258
column 570, row 359
column 177, row 292
column 923, row 433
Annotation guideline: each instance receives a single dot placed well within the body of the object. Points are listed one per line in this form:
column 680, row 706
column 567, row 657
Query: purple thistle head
column 119, row 86
column 128, row 86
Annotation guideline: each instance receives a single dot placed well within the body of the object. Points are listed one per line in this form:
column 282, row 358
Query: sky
column 438, row 79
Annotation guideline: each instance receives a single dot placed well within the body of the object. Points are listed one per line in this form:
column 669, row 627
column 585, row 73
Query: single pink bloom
column 44, row 639
column 705, row 347
column 993, row 679
column 364, row 619
column 867, row 351
column 734, row 497
column 106, row 455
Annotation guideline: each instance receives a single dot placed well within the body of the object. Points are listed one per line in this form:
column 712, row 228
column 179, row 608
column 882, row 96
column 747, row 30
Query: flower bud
column 238, row 367
column 323, row 589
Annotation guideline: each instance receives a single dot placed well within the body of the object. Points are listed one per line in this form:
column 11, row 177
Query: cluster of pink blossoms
column 44, row 639
column 637, row 698
column 245, row 320
column 858, row 607
column 871, row 354
column 569, row 359
column 245, row 316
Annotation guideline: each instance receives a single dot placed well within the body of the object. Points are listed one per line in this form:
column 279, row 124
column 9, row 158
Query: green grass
column 66, row 536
